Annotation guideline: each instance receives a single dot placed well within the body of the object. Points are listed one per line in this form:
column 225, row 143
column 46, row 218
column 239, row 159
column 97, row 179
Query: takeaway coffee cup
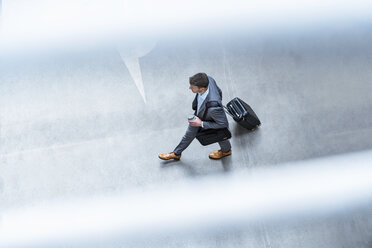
column 191, row 118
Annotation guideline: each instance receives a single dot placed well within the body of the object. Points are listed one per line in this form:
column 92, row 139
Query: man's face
column 194, row 88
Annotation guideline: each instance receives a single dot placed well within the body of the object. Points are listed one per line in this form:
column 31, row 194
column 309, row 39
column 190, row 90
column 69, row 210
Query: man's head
column 199, row 82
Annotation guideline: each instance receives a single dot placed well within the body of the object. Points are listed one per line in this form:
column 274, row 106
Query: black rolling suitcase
column 242, row 113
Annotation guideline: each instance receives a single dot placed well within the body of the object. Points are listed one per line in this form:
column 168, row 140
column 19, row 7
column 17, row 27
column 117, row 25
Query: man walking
column 207, row 116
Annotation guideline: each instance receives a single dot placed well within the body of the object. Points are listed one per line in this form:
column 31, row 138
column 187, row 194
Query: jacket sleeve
column 219, row 119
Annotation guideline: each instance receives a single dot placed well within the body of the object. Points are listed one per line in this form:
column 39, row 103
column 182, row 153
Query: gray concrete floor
column 75, row 124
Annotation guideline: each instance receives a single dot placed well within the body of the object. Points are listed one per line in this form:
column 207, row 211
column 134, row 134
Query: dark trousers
column 190, row 136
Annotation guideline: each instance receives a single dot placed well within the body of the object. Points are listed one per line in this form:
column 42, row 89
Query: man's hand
column 196, row 123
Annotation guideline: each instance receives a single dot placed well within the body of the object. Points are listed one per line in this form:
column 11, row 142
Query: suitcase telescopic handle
column 228, row 112
column 241, row 108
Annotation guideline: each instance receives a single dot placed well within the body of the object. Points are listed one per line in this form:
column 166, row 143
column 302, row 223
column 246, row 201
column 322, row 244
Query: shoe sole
column 169, row 158
column 220, row 157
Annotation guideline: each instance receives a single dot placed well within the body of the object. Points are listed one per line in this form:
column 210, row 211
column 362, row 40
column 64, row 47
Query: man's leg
column 225, row 145
column 185, row 142
column 225, row 150
column 186, row 139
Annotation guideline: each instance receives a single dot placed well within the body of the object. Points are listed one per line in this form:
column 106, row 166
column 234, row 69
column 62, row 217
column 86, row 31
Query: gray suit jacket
column 215, row 116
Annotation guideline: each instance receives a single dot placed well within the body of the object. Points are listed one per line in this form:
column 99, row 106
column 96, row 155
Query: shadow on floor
column 238, row 130
column 180, row 164
column 226, row 163
column 192, row 170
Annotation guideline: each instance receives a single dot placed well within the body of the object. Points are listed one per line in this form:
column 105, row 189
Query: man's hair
column 199, row 79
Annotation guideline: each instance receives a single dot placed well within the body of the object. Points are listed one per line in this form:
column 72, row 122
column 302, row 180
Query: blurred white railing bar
column 303, row 188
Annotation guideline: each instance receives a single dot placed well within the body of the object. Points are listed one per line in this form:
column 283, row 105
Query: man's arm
column 219, row 119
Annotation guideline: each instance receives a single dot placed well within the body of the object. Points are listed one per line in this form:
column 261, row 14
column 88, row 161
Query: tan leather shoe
column 219, row 154
column 170, row 155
